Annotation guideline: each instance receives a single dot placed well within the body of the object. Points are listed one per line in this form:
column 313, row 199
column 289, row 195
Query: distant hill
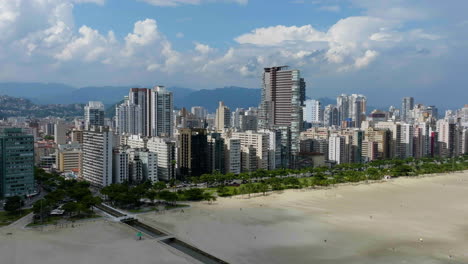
column 13, row 106
column 233, row 97
column 53, row 93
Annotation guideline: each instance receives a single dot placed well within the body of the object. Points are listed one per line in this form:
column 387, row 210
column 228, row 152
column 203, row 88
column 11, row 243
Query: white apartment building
column 258, row 141
column 313, row 112
column 94, row 114
column 166, row 156
column 97, row 156
column 336, row 148
column 120, row 166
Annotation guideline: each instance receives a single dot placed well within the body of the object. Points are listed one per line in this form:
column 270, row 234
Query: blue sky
column 384, row 49
column 215, row 24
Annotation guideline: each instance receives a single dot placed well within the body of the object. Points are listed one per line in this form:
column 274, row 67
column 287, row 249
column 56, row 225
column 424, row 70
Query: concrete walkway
column 23, row 221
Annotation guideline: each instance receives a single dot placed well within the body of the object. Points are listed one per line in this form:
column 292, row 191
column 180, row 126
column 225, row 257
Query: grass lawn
column 7, row 218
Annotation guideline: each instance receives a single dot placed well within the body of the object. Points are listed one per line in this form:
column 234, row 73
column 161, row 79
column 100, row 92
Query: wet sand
column 405, row 220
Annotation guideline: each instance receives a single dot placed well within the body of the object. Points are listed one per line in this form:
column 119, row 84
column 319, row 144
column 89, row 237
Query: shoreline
column 334, row 186
column 416, row 219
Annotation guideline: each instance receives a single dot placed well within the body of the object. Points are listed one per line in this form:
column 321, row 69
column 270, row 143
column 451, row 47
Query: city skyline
column 406, row 51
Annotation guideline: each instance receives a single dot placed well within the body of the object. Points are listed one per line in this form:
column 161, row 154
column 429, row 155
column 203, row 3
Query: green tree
column 208, row 197
column 13, row 204
column 70, row 208
column 159, row 186
column 263, row 187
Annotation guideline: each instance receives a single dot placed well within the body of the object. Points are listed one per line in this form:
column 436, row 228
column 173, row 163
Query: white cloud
column 180, row 35
column 99, row 2
column 89, row 46
column 203, row 49
column 278, row 35
column 189, row 2
column 39, row 42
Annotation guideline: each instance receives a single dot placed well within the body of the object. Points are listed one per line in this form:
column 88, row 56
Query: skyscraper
column 342, row 105
column 142, row 98
column 407, row 105
column 162, row 106
column 223, row 117
column 357, row 108
column 199, row 112
column 313, row 112
column 129, row 118
column 94, row 114
column 330, row 116
column 283, row 95
column 60, row 136
column 16, row 163
column 97, row 156
column 193, row 152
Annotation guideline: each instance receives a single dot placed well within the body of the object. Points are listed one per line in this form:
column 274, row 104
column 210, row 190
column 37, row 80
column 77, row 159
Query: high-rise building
column 60, row 136
column 313, row 112
column 223, row 117
column 236, row 118
column 94, row 114
column 69, row 157
column 199, row 112
column 342, row 105
column 358, row 108
column 255, row 144
column 233, row 155
column 192, row 152
column 336, row 149
column 216, row 153
column 120, row 163
column 97, row 156
column 142, row 98
column 407, row 141
column 331, row 116
column 16, row 163
column 162, row 106
column 165, row 148
column 283, row 95
column 446, row 130
column 77, row 136
column 407, row 105
column 464, row 116
column 129, row 118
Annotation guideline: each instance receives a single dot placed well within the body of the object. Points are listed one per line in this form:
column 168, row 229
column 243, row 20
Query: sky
column 384, row 49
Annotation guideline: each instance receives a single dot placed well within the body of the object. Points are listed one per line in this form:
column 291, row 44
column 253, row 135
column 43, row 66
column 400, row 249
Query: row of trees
column 74, row 197
column 262, row 181
column 130, row 197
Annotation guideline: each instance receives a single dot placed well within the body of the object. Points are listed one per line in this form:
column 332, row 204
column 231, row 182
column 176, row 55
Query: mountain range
column 56, row 93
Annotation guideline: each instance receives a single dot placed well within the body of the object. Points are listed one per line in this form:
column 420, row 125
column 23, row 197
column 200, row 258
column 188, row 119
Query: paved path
column 23, row 221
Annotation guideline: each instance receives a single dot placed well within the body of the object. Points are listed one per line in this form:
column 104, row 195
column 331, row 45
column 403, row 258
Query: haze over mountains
column 56, row 93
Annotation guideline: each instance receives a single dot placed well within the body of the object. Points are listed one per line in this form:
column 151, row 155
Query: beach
column 403, row 220
column 88, row 242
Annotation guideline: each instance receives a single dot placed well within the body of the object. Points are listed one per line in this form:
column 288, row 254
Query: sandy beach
column 404, row 220
column 91, row 242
